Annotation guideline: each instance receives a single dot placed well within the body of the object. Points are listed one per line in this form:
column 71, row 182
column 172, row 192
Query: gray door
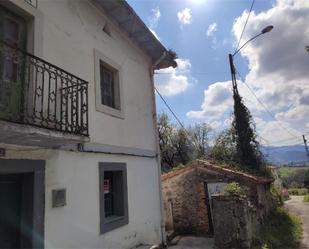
column 10, row 211
column 22, row 199
column 12, row 35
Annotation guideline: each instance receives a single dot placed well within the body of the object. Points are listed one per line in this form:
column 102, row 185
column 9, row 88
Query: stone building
column 78, row 137
column 188, row 191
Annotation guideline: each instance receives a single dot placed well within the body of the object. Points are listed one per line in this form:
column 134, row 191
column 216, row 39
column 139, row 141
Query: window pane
column 108, row 194
column 107, row 87
column 11, row 32
column 113, row 196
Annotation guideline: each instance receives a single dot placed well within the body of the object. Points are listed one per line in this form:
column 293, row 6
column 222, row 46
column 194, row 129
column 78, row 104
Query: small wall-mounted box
column 58, row 198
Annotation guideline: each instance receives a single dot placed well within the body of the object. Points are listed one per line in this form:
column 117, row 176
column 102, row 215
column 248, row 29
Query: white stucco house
column 78, row 143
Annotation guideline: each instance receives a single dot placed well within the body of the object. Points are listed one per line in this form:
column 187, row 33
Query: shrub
column 298, row 191
column 281, row 230
column 234, row 188
column 294, row 177
column 265, row 246
column 306, row 198
column 277, row 196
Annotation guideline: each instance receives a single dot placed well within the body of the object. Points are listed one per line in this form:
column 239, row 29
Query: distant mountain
column 293, row 155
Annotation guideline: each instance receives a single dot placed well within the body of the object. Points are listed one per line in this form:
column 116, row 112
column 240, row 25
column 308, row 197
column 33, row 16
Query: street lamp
column 231, row 56
column 247, row 152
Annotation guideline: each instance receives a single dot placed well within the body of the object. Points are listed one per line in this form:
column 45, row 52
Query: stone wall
column 184, row 203
column 184, row 198
column 233, row 222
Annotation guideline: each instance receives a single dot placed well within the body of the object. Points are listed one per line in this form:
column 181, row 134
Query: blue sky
column 203, row 32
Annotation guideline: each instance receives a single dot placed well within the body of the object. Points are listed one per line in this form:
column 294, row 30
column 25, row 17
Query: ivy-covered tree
column 247, row 147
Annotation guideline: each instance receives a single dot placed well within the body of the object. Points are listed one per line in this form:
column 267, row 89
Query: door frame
column 37, row 167
column 209, row 213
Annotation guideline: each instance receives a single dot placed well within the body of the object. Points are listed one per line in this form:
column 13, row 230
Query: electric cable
column 253, row 1
column 265, row 107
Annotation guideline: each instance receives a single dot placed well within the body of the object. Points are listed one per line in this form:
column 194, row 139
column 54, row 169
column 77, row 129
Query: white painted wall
column 76, row 225
column 65, row 34
column 72, row 29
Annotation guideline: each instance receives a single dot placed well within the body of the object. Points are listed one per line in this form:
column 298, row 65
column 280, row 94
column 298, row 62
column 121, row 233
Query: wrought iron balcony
column 37, row 93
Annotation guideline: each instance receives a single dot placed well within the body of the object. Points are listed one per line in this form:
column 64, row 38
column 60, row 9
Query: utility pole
column 306, row 146
column 233, row 73
column 231, row 56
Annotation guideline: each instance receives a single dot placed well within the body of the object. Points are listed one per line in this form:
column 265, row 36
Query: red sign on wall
column 106, row 186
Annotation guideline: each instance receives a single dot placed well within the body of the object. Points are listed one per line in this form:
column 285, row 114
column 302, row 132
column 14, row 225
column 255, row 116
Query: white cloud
column 185, row 16
column 278, row 70
column 154, row 18
column 153, row 21
column 173, row 81
column 275, row 137
column 217, row 102
column 212, row 29
column 211, row 34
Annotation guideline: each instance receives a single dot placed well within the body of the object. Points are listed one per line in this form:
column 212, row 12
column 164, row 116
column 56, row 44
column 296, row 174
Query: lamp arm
column 236, row 52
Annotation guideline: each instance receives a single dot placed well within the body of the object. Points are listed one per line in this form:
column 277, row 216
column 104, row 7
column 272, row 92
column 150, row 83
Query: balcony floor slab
column 20, row 134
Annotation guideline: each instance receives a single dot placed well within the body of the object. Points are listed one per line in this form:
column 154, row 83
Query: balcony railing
column 35, row 92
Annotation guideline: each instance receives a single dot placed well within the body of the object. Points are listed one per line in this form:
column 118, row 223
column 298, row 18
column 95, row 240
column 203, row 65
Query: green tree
column 183, row 146
column 180, row 145
column 200, row 136
column 165, row 133
column 224, row 148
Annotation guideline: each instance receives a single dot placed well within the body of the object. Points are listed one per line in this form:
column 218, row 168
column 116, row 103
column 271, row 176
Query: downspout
column 158, row 158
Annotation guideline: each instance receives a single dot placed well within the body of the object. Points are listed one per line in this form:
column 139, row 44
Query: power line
column 253, row 1
column 265, row 108
column 177, row 119
column 169, row 108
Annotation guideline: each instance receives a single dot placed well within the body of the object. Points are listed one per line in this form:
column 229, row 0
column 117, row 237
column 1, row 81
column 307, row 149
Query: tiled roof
column 221, row 170
column 176, row 172
column 233, row 173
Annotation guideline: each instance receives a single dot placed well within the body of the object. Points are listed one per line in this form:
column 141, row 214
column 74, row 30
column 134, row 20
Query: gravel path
column 297, row 206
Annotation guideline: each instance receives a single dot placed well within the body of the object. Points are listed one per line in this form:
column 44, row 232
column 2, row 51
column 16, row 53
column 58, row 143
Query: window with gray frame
column 113, row 196
column 109, row 82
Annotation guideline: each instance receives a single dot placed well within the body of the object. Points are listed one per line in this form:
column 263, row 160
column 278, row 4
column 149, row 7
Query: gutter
column 158, row 158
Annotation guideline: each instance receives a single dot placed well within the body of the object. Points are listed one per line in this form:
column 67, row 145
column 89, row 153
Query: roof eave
column 129, row 22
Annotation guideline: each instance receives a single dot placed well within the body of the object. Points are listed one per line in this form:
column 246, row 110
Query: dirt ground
column 297, row 206
column 189, row 242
